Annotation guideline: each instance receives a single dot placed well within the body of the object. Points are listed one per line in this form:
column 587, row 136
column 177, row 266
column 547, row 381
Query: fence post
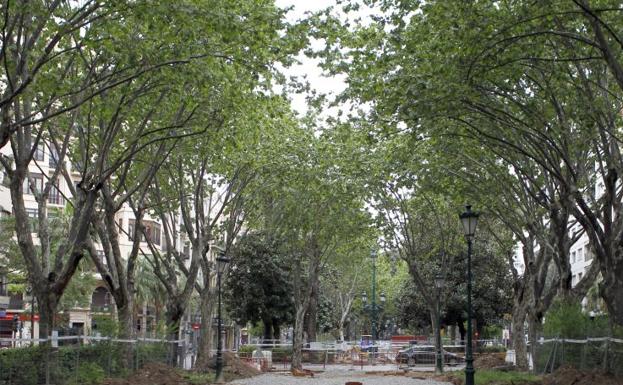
column 77, row 360
column 110, row 356
column 606, row 358
column 584, row 348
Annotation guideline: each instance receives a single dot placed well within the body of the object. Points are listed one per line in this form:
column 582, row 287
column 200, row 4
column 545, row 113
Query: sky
column 309, row 67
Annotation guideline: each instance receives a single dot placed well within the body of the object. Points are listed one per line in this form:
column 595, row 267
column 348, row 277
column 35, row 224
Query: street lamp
column 469, row 219
column 439, row 285
column 373, row 308
column 221, row 265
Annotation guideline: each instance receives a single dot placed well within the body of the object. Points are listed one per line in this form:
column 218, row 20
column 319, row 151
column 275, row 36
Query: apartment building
column 19, row 306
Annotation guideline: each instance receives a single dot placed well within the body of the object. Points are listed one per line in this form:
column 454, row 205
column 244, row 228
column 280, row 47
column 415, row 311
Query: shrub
column 492, row 349
column 566, row 320
column 89, row 373
column 246, row 349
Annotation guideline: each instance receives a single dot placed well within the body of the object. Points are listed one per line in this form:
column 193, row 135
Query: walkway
column 339, row 375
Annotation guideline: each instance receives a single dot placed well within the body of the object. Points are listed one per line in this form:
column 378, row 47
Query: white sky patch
column 309, row 67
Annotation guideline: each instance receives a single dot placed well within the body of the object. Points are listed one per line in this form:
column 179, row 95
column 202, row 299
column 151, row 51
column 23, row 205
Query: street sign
column 4, row 301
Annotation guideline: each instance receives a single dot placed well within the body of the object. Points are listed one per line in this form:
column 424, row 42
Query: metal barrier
column 80, row 359
column 603, row 353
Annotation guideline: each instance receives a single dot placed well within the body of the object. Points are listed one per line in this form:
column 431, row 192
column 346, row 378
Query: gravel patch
column 334, row 377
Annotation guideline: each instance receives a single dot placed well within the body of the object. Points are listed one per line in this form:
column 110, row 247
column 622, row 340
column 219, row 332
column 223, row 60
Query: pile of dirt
column 567, row 376
column 234, row 366
column 490, row 360
column 151, row 374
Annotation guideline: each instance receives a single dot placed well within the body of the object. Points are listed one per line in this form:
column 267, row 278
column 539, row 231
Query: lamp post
column 469, row 219
column 221, row 265
column 373, row 308
column 439, row 285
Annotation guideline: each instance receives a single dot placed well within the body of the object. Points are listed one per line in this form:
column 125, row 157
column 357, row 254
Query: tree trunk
column 126, row 321
column 297, row 340
column 452, row 329
column 611, row 288
column 312, row 312
column 47, row 310
column 533, row 327
column 276, row 330
column 340, row 328
column 174, row 315
column 268, row 329
column 518, row 340
column 204, row 350
column 144, row 321
column 462, row 331
column 126, row 331
column 436, row 329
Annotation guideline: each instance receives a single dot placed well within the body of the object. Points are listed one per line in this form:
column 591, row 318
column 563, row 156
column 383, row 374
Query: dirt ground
column 572, row 376
column 234, row 367
column 160, row 374
column 490, row 360
column 151, row 374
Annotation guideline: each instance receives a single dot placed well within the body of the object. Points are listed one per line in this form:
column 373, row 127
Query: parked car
column 425, row 355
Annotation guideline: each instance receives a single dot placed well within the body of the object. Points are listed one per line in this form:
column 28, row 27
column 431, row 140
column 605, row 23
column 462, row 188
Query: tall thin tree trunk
column 268, row 329
column 47, row 310
column 276, row 330
column 518, row 340
column 205, row 342
column 312, row 312
column 297, row 339
column 174, row 315
column 533, row 328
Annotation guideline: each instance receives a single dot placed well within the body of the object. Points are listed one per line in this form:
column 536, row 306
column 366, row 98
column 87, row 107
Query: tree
column 258, row 288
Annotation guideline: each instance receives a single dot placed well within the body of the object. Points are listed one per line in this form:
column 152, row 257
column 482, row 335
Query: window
column 39, row 153
column 120, row 224
column 131, row 225
column 34, row 180
column 33, row 216
column 573, row 257
column 55, row 197
column 579, row 256
column 53, row 162
column 588, row 255
column 187, row 250
column 579, row 276
column 6, row 180
column 152, row 231
column 3, row 284
column 101, row 256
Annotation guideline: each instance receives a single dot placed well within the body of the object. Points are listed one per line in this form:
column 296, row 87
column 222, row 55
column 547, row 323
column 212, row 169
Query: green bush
column 89, row 373
column 566, row 320
column 492, row 349
column 246, row 349
column 22, row 365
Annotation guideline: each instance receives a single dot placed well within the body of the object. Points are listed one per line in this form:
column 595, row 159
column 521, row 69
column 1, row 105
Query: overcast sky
column 308, row 66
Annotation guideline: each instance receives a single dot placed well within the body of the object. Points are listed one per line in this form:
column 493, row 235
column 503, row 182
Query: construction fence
column 73, row 360
column 605, row 354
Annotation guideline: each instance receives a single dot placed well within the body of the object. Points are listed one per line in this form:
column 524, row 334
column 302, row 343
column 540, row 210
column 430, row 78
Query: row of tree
column 514, row 106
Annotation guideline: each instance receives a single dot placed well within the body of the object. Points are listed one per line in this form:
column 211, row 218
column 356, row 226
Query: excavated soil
column 151, row 374
column 234, row 367
column 572, row 376
column 490, row 360
column 160, row 374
